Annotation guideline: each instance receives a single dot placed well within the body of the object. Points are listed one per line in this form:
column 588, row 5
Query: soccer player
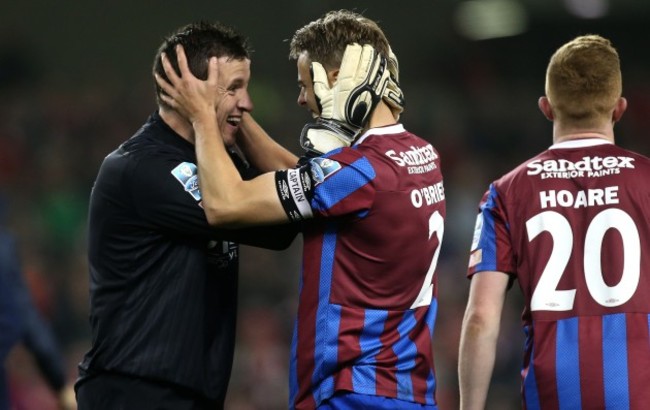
column 372, row 204
column 163, row 281
column 571, row 225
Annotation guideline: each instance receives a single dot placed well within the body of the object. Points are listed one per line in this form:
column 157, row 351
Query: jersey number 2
column 437, row 226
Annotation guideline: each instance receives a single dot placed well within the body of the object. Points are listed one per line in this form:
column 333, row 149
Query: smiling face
column 234, row 76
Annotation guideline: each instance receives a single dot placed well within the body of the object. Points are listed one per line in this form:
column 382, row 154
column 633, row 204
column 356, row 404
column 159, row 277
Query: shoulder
column 640, row 159
column 344, row 163
column 144, row 165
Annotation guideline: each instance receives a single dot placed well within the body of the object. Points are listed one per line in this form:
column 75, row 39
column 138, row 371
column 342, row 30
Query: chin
column 228, row 137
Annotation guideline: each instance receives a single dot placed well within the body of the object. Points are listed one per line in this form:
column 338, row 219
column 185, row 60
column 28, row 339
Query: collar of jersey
column 389, row 129
column 581, row 143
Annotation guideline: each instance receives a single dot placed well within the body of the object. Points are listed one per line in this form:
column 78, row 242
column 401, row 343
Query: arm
column 260, row 149
column 228, row 200
column 37, row 336
column 478, row 340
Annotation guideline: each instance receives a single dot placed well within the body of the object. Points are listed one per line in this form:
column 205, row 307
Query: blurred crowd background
column 75, row 82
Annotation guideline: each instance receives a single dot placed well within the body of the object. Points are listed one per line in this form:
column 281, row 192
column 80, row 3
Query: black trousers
column 110, row 391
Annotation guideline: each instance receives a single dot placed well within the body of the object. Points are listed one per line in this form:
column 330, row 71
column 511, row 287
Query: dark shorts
column 110, row 391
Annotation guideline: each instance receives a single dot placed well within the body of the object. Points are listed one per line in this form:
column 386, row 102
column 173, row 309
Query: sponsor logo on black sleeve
column 186, row 174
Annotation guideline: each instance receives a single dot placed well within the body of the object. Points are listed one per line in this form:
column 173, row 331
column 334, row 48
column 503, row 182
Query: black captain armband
column 295, row 189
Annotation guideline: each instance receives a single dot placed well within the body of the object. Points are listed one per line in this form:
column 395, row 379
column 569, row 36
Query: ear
column 332, row 76
column 619, row 109
column 545, row 107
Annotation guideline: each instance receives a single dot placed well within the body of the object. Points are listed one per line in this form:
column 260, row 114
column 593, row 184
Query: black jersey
column 163, row 283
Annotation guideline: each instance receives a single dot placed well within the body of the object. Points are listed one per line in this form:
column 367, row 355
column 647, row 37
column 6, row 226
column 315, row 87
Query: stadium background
column 75, row 82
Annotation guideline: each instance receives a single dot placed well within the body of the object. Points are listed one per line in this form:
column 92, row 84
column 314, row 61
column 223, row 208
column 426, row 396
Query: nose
column 302, row 101
column 246, row 103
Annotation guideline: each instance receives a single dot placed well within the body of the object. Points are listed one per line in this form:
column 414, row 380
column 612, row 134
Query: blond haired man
column 571, row 226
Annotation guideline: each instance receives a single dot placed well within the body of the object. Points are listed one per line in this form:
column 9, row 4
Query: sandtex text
column 418, row 160
column 586, row 167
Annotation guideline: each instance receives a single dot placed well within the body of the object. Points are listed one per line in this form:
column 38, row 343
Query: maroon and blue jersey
column 373, row 220
column 572, row 225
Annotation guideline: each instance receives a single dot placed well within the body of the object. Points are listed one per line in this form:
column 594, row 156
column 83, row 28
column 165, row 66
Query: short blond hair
column 583, row 80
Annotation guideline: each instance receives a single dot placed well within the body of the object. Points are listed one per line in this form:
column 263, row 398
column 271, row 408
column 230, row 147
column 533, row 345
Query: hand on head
column 348, row 104
column 359, row 86
column 189, row 96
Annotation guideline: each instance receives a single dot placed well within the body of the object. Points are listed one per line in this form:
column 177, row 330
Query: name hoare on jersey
column 564, row 198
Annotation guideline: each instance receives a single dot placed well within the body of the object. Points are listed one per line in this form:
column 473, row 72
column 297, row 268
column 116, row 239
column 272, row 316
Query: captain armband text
column 295, row 190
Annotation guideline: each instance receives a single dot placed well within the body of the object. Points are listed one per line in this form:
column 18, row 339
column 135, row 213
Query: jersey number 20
column 546, row 296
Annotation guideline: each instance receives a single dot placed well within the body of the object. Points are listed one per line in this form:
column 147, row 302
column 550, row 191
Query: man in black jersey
column 163, row 282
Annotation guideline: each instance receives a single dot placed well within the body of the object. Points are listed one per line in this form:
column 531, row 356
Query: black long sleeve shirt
column 163, row 283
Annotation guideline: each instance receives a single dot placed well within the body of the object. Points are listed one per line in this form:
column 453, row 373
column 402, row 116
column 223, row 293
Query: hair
column 326, row 38
column 583, row 80
column 201, row 41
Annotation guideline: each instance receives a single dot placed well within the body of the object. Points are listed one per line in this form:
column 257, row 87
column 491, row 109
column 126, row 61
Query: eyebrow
column 237, row 82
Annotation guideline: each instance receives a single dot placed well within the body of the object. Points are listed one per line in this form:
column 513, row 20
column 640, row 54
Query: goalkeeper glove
column 324, row 135
column 346, row 107
column 360, row 85
column 393, row 95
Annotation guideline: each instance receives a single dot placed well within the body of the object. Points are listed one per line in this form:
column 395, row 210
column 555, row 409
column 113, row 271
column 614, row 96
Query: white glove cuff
column 325, row 135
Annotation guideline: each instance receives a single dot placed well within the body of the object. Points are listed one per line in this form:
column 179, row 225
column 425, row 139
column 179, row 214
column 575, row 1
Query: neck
column 381, row 116
column 177, row 123
column 561, row 134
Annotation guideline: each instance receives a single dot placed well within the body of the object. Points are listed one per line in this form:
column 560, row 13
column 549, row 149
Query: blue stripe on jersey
column 293, row 372
column 406, row 351
column 327, row 321
column 364, row 371
column 615, row 362
column 487, row 242
column 531, row 394
column 430, row 317
column 431, row 321
column 341, row 184
column 567, row 364
column 332, row 152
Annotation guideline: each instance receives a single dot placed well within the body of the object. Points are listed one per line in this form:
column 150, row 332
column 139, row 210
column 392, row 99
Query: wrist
column 203, row 119
column 205, row 125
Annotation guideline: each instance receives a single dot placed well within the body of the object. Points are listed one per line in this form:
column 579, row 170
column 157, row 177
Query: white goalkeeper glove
column 346, row 107
column 361, row 82
column 323, row 135
column 393, row 95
